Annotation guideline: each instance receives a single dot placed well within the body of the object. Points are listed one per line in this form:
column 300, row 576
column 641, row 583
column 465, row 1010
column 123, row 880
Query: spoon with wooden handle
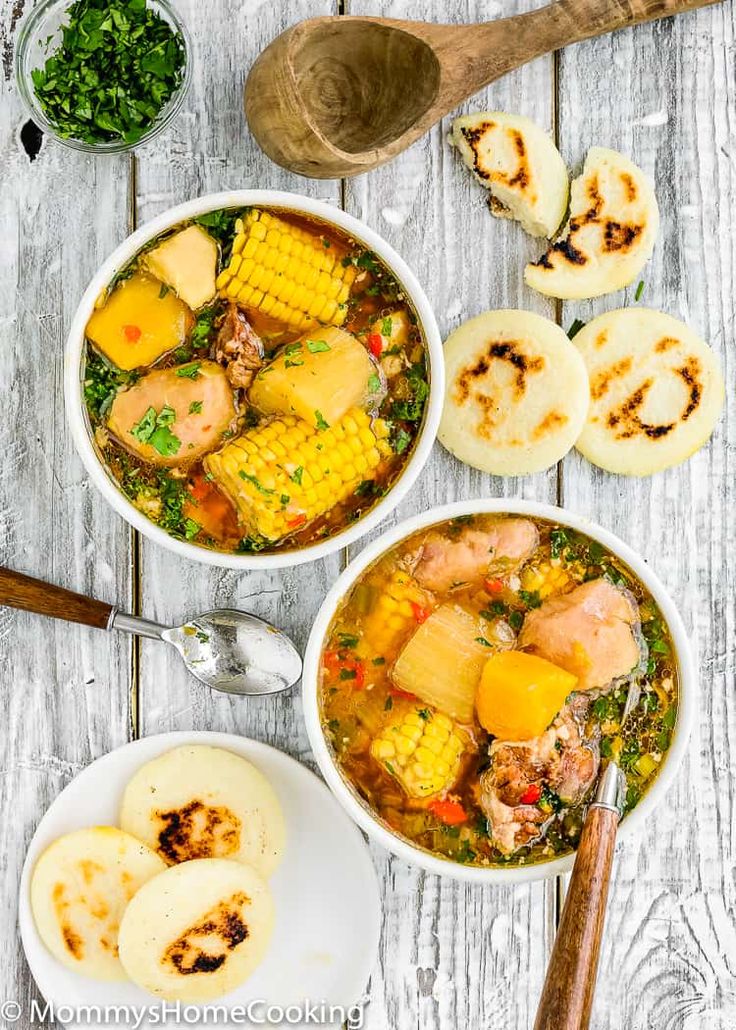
column 225, row 649
column 336, row 96
column 567, row 995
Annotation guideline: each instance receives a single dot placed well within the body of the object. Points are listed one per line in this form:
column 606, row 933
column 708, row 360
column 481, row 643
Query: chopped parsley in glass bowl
column 103, row 76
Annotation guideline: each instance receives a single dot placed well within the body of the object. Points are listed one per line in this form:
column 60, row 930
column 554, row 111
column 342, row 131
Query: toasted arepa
column 655, row 387
column 518, row 162
column 516, row 395
column 610, row 234
column 197, row 931
column 80, row 887
column 204, row 802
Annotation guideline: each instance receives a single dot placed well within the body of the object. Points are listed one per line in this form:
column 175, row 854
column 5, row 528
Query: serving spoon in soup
column 225, row 649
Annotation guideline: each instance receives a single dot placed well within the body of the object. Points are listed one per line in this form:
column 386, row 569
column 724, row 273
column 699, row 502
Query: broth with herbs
column 474, row 679
column 254, row 380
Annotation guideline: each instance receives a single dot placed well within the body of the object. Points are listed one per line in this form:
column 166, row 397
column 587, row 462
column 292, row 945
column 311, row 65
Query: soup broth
column 255, row 381
column 475, row 677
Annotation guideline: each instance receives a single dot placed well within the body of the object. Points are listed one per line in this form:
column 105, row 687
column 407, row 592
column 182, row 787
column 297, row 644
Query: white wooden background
column 451, row 956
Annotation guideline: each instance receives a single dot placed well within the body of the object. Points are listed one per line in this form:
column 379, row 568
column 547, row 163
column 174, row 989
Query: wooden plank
column 662, row 93
column 65, row 688
column 209, row 148
column 456, row 956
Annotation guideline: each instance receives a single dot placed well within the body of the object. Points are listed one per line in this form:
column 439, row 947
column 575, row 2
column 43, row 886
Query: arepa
column 518, row 162
column 197, row 931
column 610, row 234
column 205, row 802
column 516, row 395
column 656, row 391
column 80, row 888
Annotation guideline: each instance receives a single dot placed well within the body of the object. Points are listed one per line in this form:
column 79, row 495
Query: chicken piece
column 445, row 562
column 592, row 632
column 238, row 348
column 562, row 759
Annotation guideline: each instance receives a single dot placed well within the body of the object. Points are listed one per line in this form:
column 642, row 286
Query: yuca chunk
column 590, row 632
column 204, row 802
column 656, row 391
column 516, row 395
column 197, row 931
column 80, row 888
column 610, row 236
column 520, row 165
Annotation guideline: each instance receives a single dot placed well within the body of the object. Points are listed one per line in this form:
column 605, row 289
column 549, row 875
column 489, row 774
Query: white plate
column 328, row 910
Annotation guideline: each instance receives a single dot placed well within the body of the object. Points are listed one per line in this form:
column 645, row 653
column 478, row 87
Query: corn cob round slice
column 396, row 611
column 286, row 272
column 421, row 749
column 284, row 474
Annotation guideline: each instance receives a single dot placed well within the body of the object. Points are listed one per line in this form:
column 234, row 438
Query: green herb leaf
column 575, row 328
column 387, row 326
column 400, row 441
column 483, row 641
column 256, row 482
column 317, row 346
column 297, row 474
column 189, row 371
column 320, row 422
column 191, row 528
column 639, row 290
column 195, row 408
column 374, row 383
column 348, row 639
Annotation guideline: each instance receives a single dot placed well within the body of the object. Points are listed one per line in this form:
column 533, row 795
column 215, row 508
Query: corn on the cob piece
column 285, row 473
column 546, row 579
column 422, row 750
column 401, row 605
column 287, row 273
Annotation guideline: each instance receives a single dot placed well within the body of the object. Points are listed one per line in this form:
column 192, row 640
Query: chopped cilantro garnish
column 195, row 408
column 483, row 641
column 348, row 639
column 317, row 346
column 256, row 482
column 348, row 674
column 118, row 63
column 400, row 441
column 424, row 713
column 516, row 620
column 154, row 429
column 191, row 528
column 319, row 420
column 575, row 328
column 297, row 474
column 379, row 661
column 189, row 371
column 163, row 291
column 530, row 598
column 374, row 383
column 639, row 290
column 387, row 326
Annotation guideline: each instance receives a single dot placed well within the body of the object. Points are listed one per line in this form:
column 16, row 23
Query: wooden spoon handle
column 569, row 21
column 33, row 595
column 567, row 995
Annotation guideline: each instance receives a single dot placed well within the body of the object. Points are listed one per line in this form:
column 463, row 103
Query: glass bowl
column 37, row 37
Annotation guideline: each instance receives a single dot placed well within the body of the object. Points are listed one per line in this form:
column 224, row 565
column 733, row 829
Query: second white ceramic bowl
column 74, row 363
column 357, row 807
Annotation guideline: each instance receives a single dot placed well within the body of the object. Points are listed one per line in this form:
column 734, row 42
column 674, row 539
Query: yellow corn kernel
column 424, row 764
column 545, row 579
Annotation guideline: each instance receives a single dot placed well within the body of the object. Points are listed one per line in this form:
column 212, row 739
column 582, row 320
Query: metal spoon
column 225, row 649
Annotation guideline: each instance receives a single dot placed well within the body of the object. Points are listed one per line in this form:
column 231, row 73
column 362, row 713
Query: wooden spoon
column 337, row 96
column 567, row 995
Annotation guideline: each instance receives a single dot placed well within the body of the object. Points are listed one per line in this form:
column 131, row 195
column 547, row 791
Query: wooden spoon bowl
column 337, row 96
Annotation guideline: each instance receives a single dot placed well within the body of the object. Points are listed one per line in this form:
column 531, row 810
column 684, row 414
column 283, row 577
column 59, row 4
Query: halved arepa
column 518, row 162
column 656, row 391
column 516, row 395
column 614, row 219
column 80, row 887
column 197, row 931
column 197, row 802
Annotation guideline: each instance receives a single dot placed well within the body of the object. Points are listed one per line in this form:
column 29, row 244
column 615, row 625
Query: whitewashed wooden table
column 452, row 956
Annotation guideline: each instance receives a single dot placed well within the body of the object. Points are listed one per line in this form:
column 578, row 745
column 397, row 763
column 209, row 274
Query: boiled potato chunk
column 520, row 694
column 173, row 416
column 139, row 322
column 319, row 378
column 187, row 262
column 205, row 802
column 197, row 931
column 80, row 888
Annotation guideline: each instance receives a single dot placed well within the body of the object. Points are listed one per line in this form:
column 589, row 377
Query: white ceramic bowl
column 77, row 416
column 352, row 801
